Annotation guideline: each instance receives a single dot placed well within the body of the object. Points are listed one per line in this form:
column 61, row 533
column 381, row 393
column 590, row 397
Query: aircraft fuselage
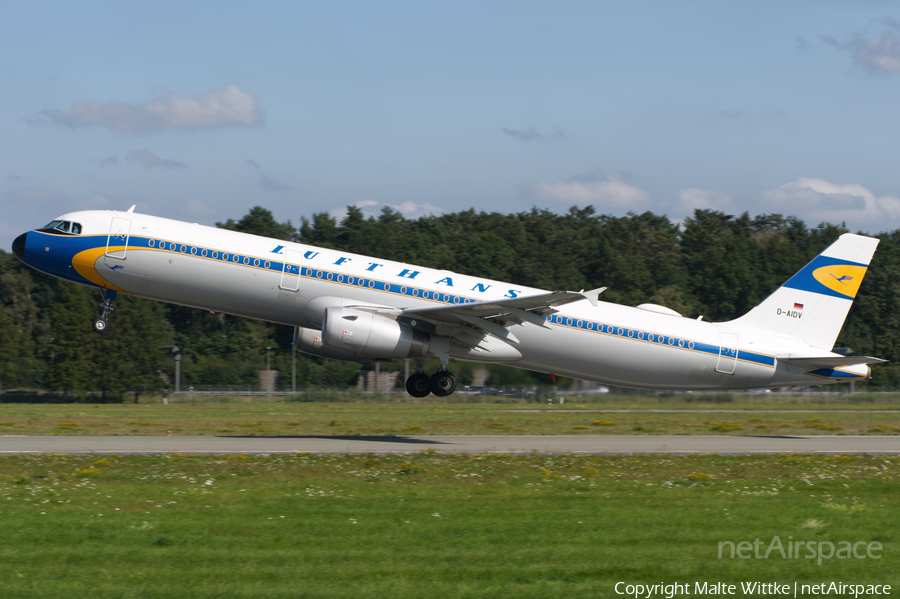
column 291, row 283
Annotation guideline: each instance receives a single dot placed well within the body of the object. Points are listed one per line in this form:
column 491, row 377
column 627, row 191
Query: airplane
column 365, row 309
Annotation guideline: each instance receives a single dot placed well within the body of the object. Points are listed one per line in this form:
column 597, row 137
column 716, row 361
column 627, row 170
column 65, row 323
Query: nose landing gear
column 108, row 305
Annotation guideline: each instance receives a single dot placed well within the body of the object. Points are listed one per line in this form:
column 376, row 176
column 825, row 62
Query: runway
column 459, row 444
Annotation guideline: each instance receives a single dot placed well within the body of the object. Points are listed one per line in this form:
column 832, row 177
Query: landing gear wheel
column 442, row 383
column 100, row 325
column 418, row 385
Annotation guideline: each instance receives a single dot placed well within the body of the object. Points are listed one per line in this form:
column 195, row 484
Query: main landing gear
column 108, row 305
column 442, row 383
column 418, row 384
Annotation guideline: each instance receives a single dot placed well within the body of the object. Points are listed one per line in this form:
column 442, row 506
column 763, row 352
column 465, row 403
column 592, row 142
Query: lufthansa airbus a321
column 359, row 308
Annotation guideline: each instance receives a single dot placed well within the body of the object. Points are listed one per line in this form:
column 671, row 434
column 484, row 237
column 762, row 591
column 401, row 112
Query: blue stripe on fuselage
column 670, row 341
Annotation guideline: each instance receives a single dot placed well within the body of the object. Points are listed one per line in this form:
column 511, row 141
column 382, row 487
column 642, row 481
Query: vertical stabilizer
column 812, row 305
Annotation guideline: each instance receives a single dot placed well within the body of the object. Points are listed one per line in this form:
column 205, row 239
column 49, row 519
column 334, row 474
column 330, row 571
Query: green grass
column 428, row 524
column 370, row 418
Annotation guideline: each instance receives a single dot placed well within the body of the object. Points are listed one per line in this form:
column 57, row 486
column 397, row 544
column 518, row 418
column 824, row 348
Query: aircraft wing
column 495, row 317
column 532, row 303
column 828, row 361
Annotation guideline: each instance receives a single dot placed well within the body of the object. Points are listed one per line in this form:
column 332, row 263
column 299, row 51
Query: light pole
column 173, row 351
column 268, row 374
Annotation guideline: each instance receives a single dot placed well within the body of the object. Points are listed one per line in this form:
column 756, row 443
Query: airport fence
column 534, row 395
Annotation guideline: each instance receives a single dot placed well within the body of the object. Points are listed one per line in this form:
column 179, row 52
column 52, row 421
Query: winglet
column 593, row 295
column 131, row 209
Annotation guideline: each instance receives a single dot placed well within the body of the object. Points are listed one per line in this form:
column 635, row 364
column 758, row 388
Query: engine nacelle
column 309, row 341
column 362, row 332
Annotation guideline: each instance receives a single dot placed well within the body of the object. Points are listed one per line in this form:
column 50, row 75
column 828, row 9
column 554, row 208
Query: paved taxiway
column 608, row 444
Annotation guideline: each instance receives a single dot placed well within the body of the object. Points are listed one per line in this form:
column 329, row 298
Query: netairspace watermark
column 792, row 549
column 671, row 590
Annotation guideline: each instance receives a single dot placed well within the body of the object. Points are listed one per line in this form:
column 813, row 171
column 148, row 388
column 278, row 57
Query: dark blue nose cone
column 18, row 247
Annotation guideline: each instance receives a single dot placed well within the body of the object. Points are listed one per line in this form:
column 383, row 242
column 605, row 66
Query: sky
column 201, row 110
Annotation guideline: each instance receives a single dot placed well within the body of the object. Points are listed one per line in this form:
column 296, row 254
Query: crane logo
column 841, row 278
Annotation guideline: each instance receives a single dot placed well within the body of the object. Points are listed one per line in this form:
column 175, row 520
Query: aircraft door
column 290, row 273
column 117, row 242
column 728, row 353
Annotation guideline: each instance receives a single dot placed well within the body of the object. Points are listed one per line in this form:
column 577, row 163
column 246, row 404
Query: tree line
column 713, row 264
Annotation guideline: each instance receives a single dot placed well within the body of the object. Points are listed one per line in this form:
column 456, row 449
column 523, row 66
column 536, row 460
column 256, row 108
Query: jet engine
column 372, row 335
column 309, row 341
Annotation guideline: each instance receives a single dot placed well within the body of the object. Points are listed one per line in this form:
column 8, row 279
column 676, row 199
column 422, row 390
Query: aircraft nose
column 18, row 246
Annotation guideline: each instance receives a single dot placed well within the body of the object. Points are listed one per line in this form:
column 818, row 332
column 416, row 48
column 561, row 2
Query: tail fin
column 812, row 305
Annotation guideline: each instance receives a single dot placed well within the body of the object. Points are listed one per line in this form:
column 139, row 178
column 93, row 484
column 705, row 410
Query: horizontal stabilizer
column 828, row 361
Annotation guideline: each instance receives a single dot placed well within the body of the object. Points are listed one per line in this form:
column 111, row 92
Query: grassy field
column 395, row 418
column 432, row 525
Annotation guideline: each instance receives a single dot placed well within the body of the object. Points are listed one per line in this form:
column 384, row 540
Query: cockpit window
column 63, row 226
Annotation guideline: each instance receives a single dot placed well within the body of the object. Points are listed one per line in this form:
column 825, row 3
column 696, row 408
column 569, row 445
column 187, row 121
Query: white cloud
column 226, row 107
column 876, row 52
column 372, row 209
column 151, row 160
column 414, row 211
column 879, row 53
column 818, row 200
column 690, row 200
column 339, row 214
column 704, row 199
column 596, row 189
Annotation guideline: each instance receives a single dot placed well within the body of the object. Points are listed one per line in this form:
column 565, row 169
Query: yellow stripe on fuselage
column 85, row 264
